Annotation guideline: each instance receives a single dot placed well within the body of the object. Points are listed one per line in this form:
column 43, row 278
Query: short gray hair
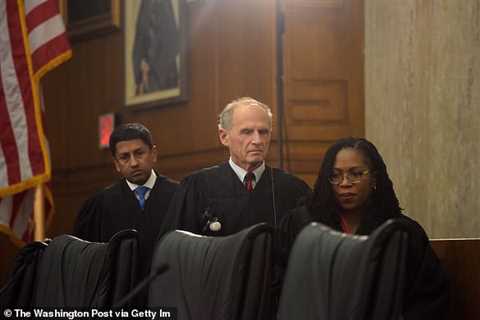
column 225, row 117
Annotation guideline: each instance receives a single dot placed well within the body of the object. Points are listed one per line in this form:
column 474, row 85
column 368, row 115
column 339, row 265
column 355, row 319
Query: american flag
column 33, row 41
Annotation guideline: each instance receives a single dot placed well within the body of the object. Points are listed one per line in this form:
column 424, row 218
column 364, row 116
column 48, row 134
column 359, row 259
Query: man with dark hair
column 138, row 201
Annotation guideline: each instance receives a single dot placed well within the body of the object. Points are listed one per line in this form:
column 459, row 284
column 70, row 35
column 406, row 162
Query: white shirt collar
column 241, row 173
column 149, row 183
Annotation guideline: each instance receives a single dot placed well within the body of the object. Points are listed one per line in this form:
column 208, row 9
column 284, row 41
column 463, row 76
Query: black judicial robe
column 426, row 286
column 116, row 208
column 216, row 193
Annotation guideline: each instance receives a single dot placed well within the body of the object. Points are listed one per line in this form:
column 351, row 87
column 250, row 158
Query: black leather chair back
column 70, row 272
column 334, row 276
column 214, row 277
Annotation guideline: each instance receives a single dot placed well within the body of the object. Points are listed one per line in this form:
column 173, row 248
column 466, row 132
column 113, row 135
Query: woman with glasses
column 354, row 194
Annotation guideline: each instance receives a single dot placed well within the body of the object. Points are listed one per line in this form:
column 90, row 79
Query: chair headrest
column 206, row 275
column 340, row 271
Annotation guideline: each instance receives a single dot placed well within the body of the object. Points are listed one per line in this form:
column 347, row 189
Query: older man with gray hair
column 226, row 198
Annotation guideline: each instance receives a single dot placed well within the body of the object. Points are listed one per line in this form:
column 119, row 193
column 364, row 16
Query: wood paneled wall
column 232, row 53
column 461, row 260
column 324, row 97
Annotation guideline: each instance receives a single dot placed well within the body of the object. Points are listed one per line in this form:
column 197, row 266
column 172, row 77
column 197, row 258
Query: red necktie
column 248, row 181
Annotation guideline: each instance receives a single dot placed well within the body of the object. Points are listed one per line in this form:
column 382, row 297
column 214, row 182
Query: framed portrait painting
column 155, row 50
column 86, row 19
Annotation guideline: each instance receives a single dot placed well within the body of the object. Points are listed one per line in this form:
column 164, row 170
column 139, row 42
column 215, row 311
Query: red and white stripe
column 32, row 42
column 47, row 36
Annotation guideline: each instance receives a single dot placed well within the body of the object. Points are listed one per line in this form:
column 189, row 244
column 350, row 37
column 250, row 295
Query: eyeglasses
column 353, row 176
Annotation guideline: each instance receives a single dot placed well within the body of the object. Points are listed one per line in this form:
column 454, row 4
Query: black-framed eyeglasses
column 352, row 176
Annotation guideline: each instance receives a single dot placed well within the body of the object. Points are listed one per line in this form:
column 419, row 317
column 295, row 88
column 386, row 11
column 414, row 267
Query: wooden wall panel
column 461, row 260
column 324, row 100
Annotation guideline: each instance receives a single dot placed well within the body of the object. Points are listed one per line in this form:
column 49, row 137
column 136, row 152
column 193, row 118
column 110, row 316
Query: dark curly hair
column 383, row 203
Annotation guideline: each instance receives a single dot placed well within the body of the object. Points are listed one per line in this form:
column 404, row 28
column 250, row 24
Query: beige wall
column 422, row 91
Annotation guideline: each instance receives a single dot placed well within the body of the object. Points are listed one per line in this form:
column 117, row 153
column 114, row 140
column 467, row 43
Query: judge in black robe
column 119, row 207
column 116, row 208
column 217, row 201
column 214, row 202
column 216, row 194
column 426, row 284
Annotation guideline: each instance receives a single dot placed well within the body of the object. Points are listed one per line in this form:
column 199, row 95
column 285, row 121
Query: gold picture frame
column 155, row 49
column 86, row 19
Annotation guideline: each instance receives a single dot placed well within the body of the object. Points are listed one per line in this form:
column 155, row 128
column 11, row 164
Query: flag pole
column 39, row 214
